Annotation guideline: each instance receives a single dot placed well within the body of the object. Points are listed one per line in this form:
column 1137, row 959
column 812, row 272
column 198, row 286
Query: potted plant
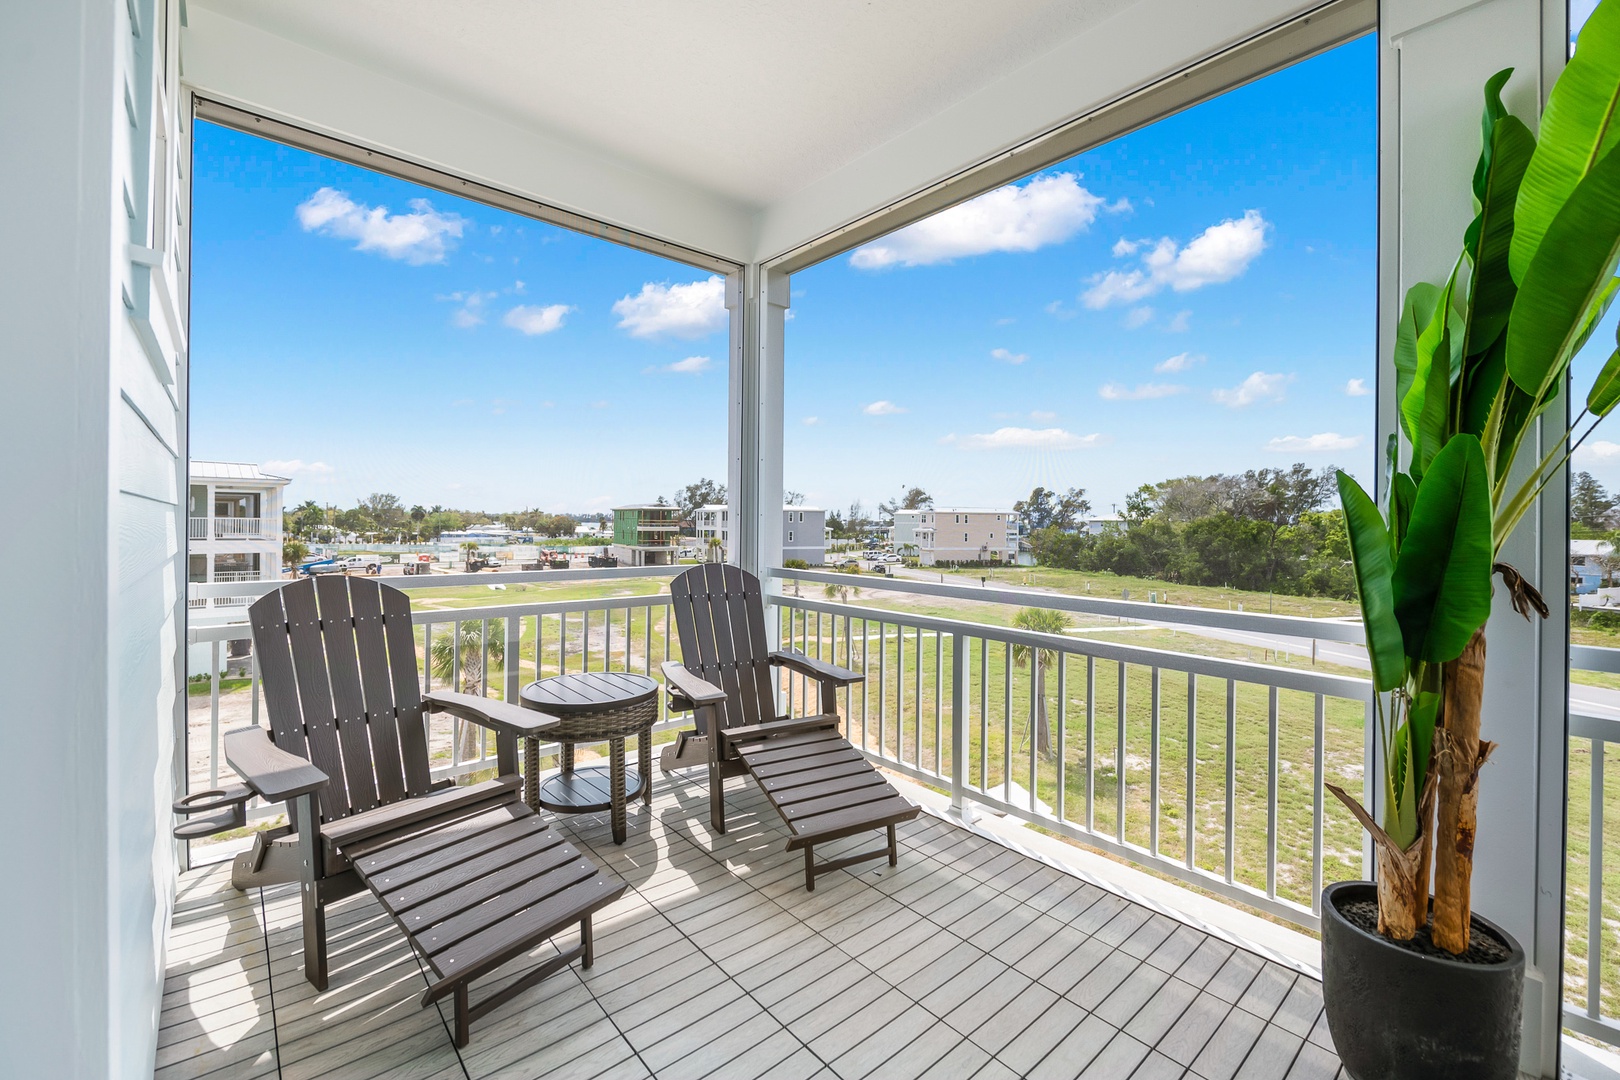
column 1414, row 986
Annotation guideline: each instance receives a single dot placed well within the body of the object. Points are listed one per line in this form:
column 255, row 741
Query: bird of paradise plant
column 1480, row 359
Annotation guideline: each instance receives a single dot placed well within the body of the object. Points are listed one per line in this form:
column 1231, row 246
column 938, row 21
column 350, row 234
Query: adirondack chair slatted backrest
column 337, row 658
column 720, row 618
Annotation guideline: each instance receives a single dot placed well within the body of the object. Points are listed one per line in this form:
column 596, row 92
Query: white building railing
column 227, row 528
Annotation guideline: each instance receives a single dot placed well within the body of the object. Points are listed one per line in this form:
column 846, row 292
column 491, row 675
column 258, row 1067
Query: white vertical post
column 1435, row 56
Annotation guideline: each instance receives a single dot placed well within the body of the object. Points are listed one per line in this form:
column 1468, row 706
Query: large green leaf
column 1518, row 409
column 1416, row 311
column 1490, row 298
column 1483, row 383
column 1373, row 560
column 1400, row 797
column 1577, row 131
column 1569, row 274
column 1403, row 495
column 1426, row 405
column 1494, row 111
column 1442, row 580
column 1606, row 387
column 1423, row 713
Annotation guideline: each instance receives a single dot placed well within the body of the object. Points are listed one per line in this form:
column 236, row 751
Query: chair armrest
column 686, row 690
column 272, row 773
column 816, row 669
column 503, row 717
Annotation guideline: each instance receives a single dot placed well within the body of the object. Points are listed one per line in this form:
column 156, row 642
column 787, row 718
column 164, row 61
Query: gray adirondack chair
column 822, row 787
column 471, row 875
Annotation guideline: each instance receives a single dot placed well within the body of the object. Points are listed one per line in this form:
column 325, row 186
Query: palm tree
column 442, row 659
column 1040, row 621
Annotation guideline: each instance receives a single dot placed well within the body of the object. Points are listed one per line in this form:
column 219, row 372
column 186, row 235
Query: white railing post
column 959, row 741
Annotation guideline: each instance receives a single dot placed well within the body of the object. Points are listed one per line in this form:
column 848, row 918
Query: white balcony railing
column 952, row 703
column 227, row 528
column 1592, row 913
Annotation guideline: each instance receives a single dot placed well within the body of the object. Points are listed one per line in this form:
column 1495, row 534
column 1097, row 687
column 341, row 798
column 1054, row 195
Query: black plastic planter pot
column 1399, row 1015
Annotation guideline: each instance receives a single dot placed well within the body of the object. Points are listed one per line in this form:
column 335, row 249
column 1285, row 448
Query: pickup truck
column 366, row 564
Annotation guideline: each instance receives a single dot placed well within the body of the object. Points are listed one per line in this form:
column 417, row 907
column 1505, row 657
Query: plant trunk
column 1458, row 755
column 1403, row 874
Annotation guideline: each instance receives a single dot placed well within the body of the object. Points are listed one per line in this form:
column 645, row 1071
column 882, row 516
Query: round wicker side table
column 593, row 706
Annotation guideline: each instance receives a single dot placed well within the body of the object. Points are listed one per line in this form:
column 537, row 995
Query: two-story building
column 970, row 534
column 804, row 531
column 234, row 529
column 646, row 534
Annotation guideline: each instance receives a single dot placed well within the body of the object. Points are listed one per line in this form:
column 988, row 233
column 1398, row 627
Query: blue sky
column 1195, row 297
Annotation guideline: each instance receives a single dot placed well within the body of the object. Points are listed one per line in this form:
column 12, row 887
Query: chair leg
column 616, row 812
column 894, row 848
column 463, row 1021
column 587, row 943
column 717, row 798
column 309, row 857
column 810, row 869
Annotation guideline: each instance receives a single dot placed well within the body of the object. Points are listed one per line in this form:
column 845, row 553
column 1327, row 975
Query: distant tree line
column 383, row 518
column 1264, row 530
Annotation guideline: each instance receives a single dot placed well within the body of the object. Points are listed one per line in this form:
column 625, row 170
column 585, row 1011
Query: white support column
column 1435, row 56
column 758, row 301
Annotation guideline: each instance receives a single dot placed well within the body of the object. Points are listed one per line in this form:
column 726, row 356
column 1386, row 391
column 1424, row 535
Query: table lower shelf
column 585, row 790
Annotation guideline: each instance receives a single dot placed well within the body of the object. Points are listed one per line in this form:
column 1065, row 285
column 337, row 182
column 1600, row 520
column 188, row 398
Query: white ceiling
column 741, row 128
column 748, row 99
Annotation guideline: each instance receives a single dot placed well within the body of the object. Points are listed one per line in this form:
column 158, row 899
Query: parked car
column 891, row 557
column 366, row 564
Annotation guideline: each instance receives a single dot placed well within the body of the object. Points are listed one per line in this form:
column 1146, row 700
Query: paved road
column 1589, row 700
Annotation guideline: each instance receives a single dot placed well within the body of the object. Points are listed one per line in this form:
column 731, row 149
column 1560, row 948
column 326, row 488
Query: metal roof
column 244, row 471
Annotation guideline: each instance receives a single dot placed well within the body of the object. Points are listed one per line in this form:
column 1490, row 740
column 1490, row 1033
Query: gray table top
column 588, row 691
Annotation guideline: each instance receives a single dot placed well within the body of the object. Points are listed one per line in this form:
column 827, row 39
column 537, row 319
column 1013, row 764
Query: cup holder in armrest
column 232, row 801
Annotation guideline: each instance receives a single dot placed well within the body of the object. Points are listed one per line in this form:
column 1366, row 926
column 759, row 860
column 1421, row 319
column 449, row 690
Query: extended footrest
column 477, row 891
column 825, row 789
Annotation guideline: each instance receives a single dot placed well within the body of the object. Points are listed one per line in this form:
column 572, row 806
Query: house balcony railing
column 957, row 705
column 227, row 528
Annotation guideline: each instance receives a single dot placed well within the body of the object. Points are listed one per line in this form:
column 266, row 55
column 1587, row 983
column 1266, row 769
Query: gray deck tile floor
column 969, row 960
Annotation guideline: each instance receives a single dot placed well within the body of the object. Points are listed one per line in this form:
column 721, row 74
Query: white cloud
column 811, row 421
column 1144, row 392
column 1179, row 324
column 883, row 408
column 1326, row 442
column 1058, row 310
column 1179, row 362
column 1006, row 356
column 1219, row 253
column 1140, row 316
column 1022, row 438
column 681, row 311
column 1357, row 388
column 296, row 468
column 1120, row 205
column 1123, row 247
column 422, row 236
column 533, row 319
column 1046, row 210
column 1602, row 450
column 1042, row 416
column 1258, row 387
column 692, row 365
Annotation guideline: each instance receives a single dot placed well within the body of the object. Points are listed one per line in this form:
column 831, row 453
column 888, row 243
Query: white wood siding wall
column 92, row 317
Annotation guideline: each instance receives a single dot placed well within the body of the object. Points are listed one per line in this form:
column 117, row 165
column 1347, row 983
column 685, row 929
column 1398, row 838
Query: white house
column 967, row 534
column 234, row 534
column 234, row 526
column 804, row 531
column 1097, row 523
